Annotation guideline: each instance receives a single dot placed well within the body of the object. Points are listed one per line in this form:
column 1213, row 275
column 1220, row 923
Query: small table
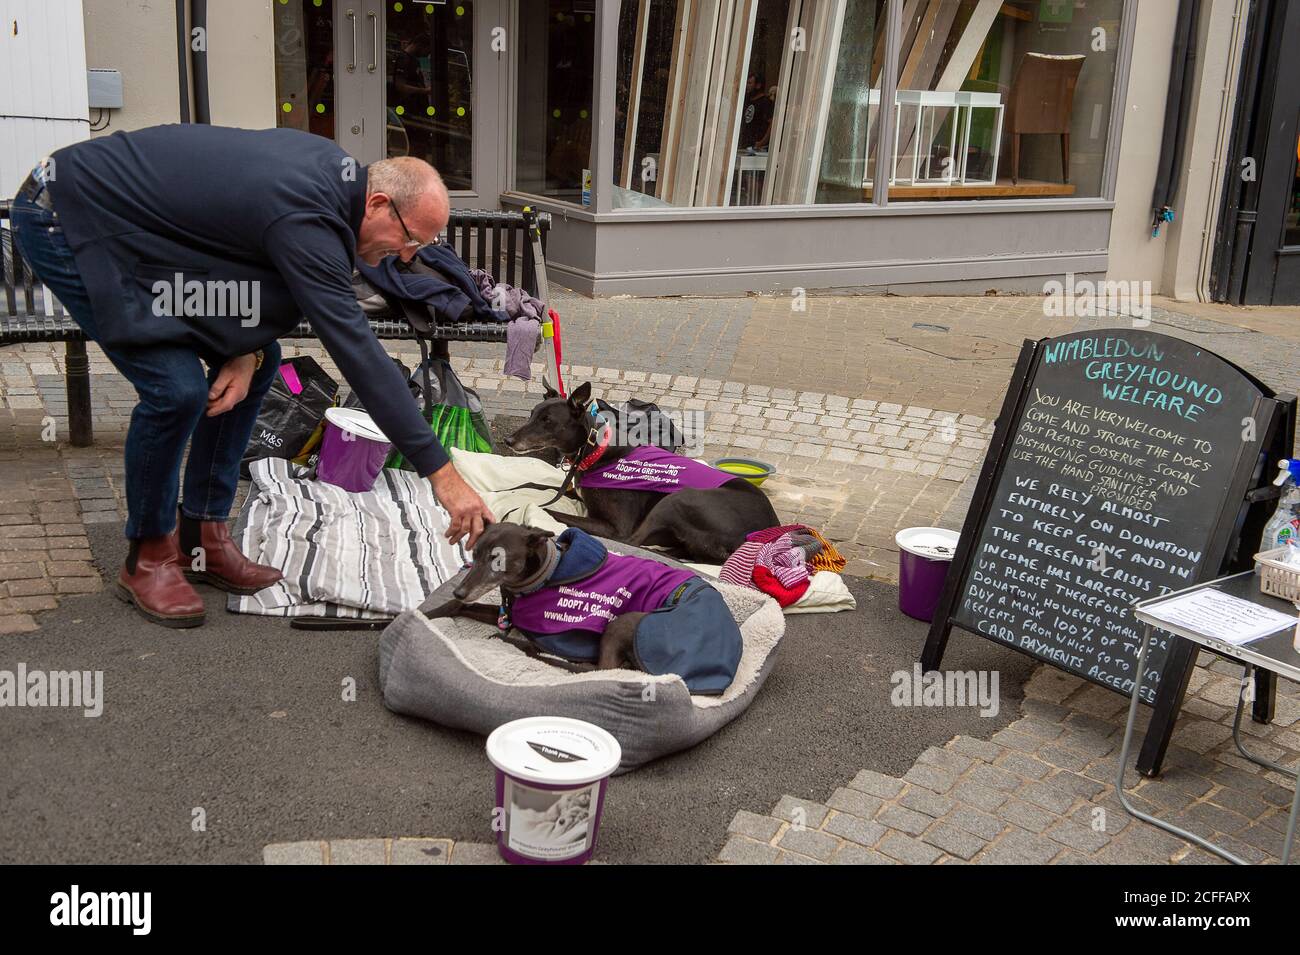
column 923, row 101
column 970, row 102
column 754, row 163
column 1274, row 652
column 960, row 106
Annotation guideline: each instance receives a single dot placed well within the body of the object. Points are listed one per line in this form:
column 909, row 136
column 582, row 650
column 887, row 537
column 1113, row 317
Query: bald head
column 401, row 190
column 406, row 180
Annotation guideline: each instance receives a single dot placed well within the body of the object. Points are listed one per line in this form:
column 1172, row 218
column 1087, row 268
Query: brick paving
column 876, row 412
column 399, row 851
column 1041, row 791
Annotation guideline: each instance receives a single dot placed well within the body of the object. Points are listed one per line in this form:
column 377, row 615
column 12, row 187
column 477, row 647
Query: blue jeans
column 173, row 389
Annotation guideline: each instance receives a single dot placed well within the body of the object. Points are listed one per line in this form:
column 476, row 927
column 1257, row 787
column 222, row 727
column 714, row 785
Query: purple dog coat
column 622, row 585
column 687, row 630
column 648, row 468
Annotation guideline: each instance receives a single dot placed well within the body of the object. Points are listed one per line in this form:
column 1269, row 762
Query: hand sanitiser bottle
column 1283, row 528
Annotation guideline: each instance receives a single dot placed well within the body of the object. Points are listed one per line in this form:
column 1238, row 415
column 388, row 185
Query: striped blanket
column 348, row 555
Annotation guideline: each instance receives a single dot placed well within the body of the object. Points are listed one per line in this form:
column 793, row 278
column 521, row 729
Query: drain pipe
column 182, row 59
column 1240, row 204
column 1177, row 108
column 1218, row 182
column 199, row 58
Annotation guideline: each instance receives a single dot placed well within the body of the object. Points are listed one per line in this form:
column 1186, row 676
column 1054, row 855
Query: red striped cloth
column 784, row 561
column 765, row 548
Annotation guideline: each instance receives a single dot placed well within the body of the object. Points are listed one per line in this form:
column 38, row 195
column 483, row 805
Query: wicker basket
column 1276, row 577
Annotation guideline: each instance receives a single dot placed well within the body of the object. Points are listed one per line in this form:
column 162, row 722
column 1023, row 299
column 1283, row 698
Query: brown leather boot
column 151, row 579
column 224, row 565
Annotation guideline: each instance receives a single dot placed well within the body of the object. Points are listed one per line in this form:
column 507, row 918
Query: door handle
column 374, row 42
column 352, row 64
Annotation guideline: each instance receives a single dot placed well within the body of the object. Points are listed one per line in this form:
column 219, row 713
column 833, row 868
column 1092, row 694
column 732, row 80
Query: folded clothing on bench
column 438, row 280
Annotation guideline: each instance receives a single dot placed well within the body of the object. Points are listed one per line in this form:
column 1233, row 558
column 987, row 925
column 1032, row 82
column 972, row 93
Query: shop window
column 849, row 135
column 777, row 102
column 698, row 93
column 553, row 115
column 304, row 65
column 645, row 39
column 429, row 65
column 827, row 102
column 1002, row 99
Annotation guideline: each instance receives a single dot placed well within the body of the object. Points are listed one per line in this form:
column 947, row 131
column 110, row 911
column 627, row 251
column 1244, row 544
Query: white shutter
column 42, row 84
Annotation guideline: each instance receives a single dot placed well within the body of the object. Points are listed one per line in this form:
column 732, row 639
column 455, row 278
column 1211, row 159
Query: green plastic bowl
column 755, row 472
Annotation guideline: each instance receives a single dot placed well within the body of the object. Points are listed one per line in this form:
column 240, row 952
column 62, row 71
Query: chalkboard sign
column 1119, row 471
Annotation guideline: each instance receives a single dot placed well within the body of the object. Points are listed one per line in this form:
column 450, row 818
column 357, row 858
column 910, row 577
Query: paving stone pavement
column 876, row 412
column 396, row 851
column 1041, row 791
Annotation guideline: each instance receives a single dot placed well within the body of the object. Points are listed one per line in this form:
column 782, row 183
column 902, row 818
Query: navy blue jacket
column 277, row 207
column 452, row 293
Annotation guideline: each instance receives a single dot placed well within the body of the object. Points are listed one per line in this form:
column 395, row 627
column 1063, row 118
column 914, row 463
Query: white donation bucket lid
column 932, row 543
column 554, row 751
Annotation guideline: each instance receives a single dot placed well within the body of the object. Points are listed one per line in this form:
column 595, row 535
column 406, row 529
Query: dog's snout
column 463, row 586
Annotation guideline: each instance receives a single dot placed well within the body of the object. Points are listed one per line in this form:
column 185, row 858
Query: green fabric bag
column 456, row 415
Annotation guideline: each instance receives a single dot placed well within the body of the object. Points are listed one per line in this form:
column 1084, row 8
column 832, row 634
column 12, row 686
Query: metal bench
column 508, row 245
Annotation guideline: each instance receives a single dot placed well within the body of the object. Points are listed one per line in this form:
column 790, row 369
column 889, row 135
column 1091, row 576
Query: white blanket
column 497, row 479
column 344, row 554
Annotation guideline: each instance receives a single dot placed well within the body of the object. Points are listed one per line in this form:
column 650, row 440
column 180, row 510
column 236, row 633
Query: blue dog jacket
column 687, row 630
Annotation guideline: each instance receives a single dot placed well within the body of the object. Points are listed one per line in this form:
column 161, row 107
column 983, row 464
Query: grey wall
column 992, row 248
column 138, row 37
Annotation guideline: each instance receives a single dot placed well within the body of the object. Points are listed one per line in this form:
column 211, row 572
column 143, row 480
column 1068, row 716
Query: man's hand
column 469, row 515
column 231, row 385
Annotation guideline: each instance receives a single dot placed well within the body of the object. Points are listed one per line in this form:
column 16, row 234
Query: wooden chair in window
column 1042, row 101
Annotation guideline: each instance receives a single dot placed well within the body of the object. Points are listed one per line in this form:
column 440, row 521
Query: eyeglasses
column 411, row 241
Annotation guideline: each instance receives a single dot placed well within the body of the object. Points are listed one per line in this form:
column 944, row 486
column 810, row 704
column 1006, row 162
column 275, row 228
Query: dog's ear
column 536, row 536
column 547, row 390
column 581, row 395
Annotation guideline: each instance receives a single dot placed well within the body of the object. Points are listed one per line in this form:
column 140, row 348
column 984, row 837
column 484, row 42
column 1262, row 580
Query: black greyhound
column 700, row 525
column 515, row 558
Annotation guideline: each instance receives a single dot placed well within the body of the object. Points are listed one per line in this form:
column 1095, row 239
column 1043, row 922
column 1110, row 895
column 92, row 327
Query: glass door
column 429, row 86
column 390, row 78
column 304, row 65
column 1273, row 269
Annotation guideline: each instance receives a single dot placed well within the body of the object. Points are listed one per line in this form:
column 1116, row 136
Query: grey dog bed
column 461, row 674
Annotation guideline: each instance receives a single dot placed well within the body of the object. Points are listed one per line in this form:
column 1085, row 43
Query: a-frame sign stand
column 1240, row 521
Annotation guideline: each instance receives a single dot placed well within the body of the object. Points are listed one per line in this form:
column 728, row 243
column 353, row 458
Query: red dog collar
column 601, row 444
column 599, row 435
